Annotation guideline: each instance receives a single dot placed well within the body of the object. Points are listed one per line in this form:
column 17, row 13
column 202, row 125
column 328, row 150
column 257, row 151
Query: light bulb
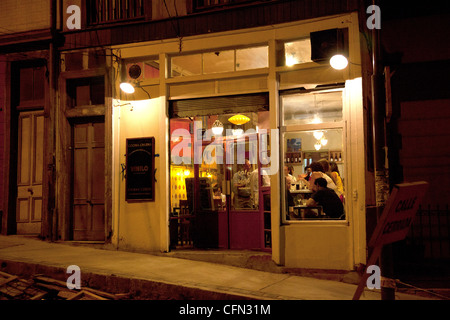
column 127, row 87
column 318, row 145
column 324, row 141
column 318, row 134
column 291, row 60
column 338, row 62
column 237, row 132
column 217, row 128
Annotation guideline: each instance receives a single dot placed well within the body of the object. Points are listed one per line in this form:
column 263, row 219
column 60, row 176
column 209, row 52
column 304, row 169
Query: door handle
column 30, row 191
column 89, row 201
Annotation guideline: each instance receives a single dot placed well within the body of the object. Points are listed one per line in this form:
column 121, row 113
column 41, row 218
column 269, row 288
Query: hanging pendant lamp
column 239, row 119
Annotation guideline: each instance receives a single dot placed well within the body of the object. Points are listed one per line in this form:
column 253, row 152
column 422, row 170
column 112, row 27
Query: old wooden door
column 30, row 172
column 89, row 181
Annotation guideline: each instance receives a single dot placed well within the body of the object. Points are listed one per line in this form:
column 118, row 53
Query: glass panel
column 151, row 69
column 186, row 65
column 310, row 108
column 309, row 155
column 297, row 52
column 252, row 58
column 218, row 61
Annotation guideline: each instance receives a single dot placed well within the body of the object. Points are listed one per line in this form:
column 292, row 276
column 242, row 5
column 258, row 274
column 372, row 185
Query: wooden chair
column 185, row 223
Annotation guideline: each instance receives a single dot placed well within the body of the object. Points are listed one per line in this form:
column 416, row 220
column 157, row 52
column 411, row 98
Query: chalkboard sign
column 140, row 166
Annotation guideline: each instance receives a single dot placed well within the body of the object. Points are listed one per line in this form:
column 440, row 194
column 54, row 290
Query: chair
column 185, row 223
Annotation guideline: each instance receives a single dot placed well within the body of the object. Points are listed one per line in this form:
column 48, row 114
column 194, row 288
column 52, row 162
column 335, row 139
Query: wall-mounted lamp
column 128, row 87
column 338, row 62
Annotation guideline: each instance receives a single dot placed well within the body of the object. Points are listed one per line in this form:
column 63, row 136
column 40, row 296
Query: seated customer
column 327, row 198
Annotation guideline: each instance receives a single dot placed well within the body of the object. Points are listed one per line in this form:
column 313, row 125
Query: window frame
column 342, row 124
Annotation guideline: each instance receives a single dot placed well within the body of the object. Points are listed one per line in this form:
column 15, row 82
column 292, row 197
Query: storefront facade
column 187, row 84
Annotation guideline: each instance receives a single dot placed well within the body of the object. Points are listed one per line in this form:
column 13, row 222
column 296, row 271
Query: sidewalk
column 162, row 277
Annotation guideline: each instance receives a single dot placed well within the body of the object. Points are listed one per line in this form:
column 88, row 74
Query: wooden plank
column 39, row 296
column 4, row 282
column 63, row 284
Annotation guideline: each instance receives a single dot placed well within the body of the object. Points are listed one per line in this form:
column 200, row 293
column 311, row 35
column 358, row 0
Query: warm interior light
column 291, row 60
column 237, row 132
column 318, row 134
column 316, row 120
column 127, row 87
column 338, row 62
column 217, row 128
column 187, row 172
column 318, row 145
column 324, row 141
column 239, row 119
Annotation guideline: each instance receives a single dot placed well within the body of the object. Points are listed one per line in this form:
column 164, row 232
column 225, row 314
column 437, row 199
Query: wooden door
column 89, row 181
column 30, row 172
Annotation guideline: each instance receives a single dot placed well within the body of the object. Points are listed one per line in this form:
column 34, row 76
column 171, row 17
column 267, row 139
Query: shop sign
column 398, row 213
column 394, row 224
column 140, row 169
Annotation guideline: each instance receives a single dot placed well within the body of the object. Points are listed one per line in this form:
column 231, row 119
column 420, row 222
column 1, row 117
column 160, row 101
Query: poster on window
column 140, row 169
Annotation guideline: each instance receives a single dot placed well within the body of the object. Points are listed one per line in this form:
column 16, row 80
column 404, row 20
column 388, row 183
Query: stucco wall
column 137, row 225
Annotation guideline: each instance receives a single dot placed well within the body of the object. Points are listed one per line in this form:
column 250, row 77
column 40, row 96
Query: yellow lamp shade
column 239, row 119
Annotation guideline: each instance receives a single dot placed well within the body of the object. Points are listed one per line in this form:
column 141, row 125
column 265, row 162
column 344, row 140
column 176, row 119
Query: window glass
column 151, row 69
column 297, row 52
column 218, row 61
column 252, row 58
column 186, row 65
column 303, row 150
column 312, row 108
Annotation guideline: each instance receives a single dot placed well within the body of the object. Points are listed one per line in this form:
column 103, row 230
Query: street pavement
column 180, row 278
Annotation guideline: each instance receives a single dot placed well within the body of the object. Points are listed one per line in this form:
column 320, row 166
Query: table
column 303, row 212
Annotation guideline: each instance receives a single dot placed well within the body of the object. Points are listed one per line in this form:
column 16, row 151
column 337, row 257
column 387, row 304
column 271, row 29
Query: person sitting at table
column 218, row 195
column 318, row 172
column 327, row 199
column 241, row 187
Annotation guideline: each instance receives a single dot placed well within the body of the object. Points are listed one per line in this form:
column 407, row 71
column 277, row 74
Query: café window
column 312, row 147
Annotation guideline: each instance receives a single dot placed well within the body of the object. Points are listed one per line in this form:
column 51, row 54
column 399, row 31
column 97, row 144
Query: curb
column 136, row 289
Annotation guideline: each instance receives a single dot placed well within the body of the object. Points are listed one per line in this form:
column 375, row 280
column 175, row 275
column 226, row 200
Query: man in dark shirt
column 327, row 198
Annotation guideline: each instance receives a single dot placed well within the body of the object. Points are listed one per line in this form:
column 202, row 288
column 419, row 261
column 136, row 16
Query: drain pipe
column 380, row 152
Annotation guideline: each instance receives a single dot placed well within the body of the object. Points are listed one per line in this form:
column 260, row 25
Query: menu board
column 140, row 169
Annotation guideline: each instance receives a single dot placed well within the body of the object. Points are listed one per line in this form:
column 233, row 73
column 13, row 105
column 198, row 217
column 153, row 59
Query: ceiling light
column 318, row 134
column 324, row 141
column 237, row 132
column 317, row 146
column 217, row 128
column 127, row 87
column 338, row 62
column 239, row 119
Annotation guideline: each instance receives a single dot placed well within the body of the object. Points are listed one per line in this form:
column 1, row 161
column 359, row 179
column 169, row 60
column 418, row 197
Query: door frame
column 65, row 117
column 73, row 121
column 11, row 117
